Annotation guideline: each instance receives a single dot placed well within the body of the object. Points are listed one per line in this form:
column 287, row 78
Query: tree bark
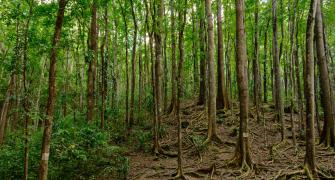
column 211, row 134
column 328, row 133
column 26, row 102
column 93, row 48
column 276, row 61
column 43, row 169
column 182, row 21
column 133, row 67
column 310, row 164
column 173, row 60
column 203, row 64
column 265, row 68
column 255, row 65
column 158, row 25
column 242, row 153
column 126, row 59
column 222, row 96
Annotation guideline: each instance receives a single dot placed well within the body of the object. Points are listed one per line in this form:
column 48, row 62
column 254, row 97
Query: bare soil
column 273, row 158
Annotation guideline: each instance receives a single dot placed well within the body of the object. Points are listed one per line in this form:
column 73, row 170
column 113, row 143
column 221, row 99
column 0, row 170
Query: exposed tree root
column 179, row 175
column 161, row 151
column 213, row 138
column 304, row 171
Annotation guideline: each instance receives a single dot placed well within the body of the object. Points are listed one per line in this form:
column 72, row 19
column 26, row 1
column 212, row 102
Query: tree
column 255, row 63
column 222, row 96
column 211, row 134
column 133, row 64
column 276, row 65
column 242, row 153
column 328, row 132
column 26, row 102
column 173, row 60
column 203, row 64
column 123, row 11
column 182, row 22
column 158, row 26
column 265, row 95
column 93, row 51
column 43, row 169
column 310, row 164
column 104, row 60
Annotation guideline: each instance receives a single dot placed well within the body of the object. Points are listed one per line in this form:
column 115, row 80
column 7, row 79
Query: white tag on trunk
column 45, row 156
column 245, row 135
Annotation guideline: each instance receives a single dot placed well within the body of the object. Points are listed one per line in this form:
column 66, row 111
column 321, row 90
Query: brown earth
column 272, row 158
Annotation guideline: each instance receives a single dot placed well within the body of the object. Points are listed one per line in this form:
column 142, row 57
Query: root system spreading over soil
column 273, row 158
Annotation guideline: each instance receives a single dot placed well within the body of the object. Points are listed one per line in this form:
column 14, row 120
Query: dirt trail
column 272, row 157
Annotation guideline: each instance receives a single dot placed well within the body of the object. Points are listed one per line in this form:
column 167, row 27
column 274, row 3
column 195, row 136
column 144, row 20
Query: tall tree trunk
column 115, row 73
column 195, row 51
column 255, row 65
column 43, row 169
column 26, row 105
column 140, row 78
column 158, row 26
column 126, row 59
column 133, row 66
column 222, row 96
column 328, row 133
column 211, row 134
column 203, row 64
column 291, row 26
column 93, row 48
column 165, row 80
column 265, row 68
column 297, row 74
column 310, row 164
column 104, row 60
column 242, row 153
column 276, row 61
column 173, row 60
column 182, row 21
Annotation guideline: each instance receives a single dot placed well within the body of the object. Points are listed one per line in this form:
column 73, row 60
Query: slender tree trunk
column 158, row 26
column 297, row 74
column 104, row 60
column 310, row 164
column 26, row 105
column 182, row 21
column 173, row 60
column 222, row 96
column 242, row 154
column 115, row 73
column 265, row 68
column 203, row 64
column 165, row 81
column 140, row 78
column 126, row 59
column 328, row 133
column 255, row 65
column 276, row 61
column 212, row 134
column 93, row 48
column 291, row 26
column 43, row 169
column 133, row 66
column 195, row 51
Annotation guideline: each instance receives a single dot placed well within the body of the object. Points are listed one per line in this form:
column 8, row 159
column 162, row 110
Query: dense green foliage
column 79, row 151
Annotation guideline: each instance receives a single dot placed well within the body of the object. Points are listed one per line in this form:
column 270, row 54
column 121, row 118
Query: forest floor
column 273, row 158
